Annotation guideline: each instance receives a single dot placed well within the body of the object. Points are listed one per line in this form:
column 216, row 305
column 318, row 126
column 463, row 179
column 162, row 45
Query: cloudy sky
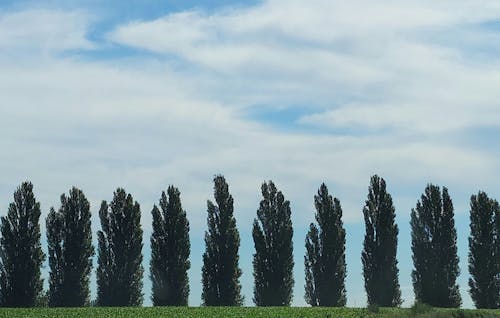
column 146, row 93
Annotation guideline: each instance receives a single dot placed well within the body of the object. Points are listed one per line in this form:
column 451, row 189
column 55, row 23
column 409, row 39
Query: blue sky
column 143, row 94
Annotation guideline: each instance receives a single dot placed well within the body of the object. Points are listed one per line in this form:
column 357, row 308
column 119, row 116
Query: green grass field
column 216, row 312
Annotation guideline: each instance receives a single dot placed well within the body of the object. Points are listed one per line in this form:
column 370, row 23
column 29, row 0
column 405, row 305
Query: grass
column 235, row 312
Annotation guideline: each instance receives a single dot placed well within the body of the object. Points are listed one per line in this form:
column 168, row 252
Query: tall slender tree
column 55, row 230
column 170, row 248
column 380, row 265
column 484, row 267
column 325, row 266
column 69, row 238
column 273, row 259
column 497, row 250
column 119, row 264
column 221, row 272
column 20, row 251
column 434, row 248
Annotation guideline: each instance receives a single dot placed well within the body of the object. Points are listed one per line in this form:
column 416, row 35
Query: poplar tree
column 221, row 272
column 380, row 265
column 20, row 251
column 325, row 266
column 434, row 248
column 170, row 248
column 497, row 249
column 273, row 259
column 484, row 263
column 119, row 264
column 69, row 239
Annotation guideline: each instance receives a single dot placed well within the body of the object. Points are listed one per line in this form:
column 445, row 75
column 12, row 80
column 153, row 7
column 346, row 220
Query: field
column 250, row 312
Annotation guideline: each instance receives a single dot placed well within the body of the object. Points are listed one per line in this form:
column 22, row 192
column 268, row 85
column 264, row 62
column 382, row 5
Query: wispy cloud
column 384, row 58
column 44, row 31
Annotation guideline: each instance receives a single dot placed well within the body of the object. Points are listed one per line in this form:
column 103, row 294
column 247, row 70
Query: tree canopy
column 273, row 259
column 434, row 247
column 484, row 263
column 21, row 251
column 380, row 265
column 221, row 272
column 170, row 249
column 325, row 266
column 119, row 264
column 69, row 240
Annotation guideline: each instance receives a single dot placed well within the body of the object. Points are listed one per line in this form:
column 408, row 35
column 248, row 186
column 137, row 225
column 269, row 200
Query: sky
column 144, row 94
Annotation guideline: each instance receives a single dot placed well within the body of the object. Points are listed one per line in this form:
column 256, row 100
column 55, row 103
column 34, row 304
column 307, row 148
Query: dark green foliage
column 497, row 249
column 119, row 264
column 55, row 232
column 373, row 308
column 484, row 267
column 240, row 312
column 69, row 239
column 325, row 266
column 42, row 300
column 434, row 249
column 273, row 258
column 453, row 313
column 20, row 251
column 419, row 308
column 170, row 248
column 380, row 269
column 221, row 273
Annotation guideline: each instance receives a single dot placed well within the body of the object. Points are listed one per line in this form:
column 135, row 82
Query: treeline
column 120, row 241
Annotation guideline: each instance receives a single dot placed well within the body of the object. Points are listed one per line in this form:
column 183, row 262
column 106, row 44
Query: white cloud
column 318, row 22
column 42, row 30
column 378, row 64
column 428, row 117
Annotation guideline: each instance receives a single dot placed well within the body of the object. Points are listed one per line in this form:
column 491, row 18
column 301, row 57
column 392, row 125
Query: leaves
column 484, row 263
column 170, row 249
column 120, row 271
column 434, row 249
column 221, row 272
column 380, row 269
column 325, row 267
column 21, row 251
column 273, row 259
column 69, row 238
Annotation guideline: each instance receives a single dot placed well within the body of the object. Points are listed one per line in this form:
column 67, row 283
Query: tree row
column 120, row 241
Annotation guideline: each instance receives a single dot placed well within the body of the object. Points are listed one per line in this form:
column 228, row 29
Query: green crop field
column 232, row 312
